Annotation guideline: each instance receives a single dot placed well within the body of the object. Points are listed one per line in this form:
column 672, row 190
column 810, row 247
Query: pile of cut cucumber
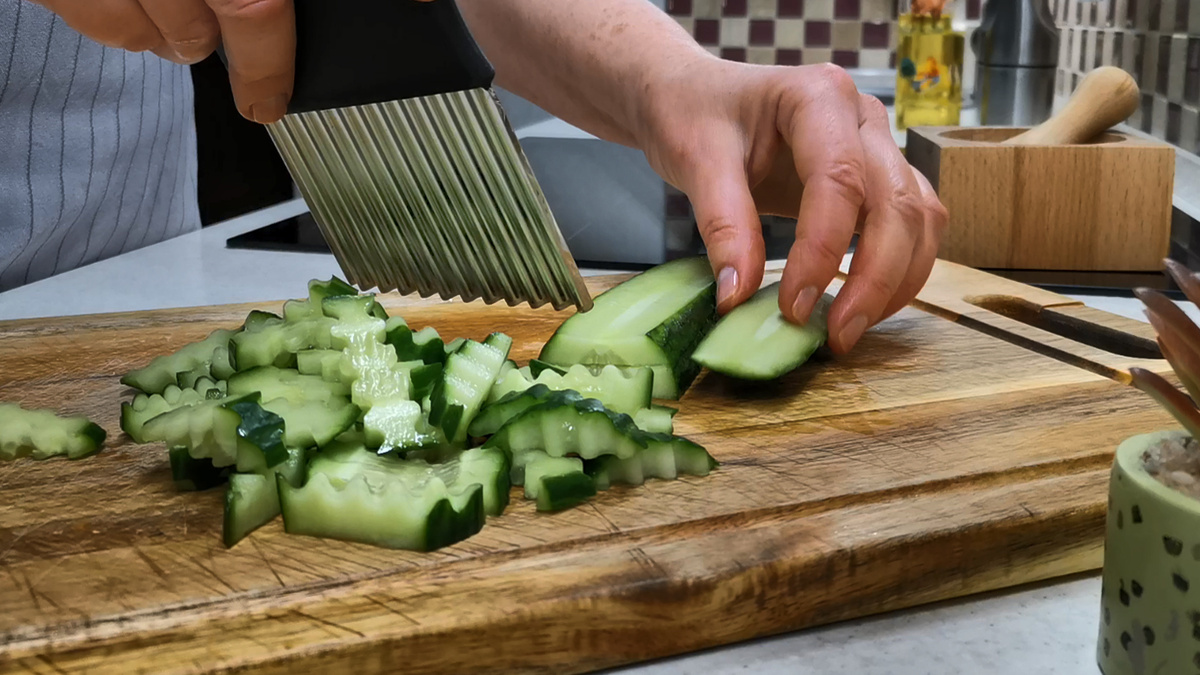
column 353, row 425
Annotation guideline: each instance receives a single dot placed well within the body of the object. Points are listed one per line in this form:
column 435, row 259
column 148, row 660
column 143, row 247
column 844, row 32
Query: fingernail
column 271, row 110
column 853, row 331
column 726, row 284
column 805, row 302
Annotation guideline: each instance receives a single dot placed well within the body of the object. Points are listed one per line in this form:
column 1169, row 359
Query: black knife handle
column 355, row 52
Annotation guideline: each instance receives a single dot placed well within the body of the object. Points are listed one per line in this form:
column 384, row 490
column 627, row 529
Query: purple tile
column 792, row 9
column 733, row 8
column 1164, row 64
column 847, row 9
column 1181, row 15
column 1174, row 121
column 708, row 31
column 1111, row 19
column 1094, row 19
column 1155, row 13
column 875, row 35
column 845, row 58
column 733, row 53
column 788, row 57
column 679, row 7
column 762, row 32
column 1131, row 13
column 1191, row 75
column 817, row 33
column 1147, row 111
column 892, row 60
column 974, row 9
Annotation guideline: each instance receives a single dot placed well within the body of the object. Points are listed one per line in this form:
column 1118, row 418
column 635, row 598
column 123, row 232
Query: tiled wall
column 1157, row 41
column 850, row 33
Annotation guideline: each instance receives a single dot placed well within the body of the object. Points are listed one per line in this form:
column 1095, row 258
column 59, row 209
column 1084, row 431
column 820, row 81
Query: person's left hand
column 743, row 141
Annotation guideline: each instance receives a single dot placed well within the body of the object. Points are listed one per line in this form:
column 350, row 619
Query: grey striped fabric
column 97, row 148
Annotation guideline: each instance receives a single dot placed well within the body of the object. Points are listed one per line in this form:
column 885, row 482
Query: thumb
column 729, row 223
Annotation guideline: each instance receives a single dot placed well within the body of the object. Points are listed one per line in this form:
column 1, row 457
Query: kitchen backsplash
column 850, row 33
column 1157, row 41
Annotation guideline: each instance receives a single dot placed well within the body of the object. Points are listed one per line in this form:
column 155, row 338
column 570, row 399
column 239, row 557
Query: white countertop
column 1047, row 629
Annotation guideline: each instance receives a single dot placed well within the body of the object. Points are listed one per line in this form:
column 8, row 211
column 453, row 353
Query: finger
column 188, row 27
column 121, row 24
column 259, row 38
column 732, row 231
column 821, row 126
column 894, row 223
column 926, row 250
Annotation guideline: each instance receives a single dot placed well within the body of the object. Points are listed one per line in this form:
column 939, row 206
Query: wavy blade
column 1175, row 402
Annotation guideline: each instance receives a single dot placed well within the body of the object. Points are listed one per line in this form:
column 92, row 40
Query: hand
column 743, row 141
column 259, row 38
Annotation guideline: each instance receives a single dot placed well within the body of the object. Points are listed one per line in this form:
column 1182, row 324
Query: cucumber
column 308, row 424
column 234, row 431
column 497, row 414
column 324, row 363
column 664, row 457
column 257, row 319
column 655, row 319
column 565, row 423
column 42, row 434
column 424, row 345
column 252, row 499
column 556, row 483
column 211, row 356
column 755, row 342
column 537, row 366
column 348, row 458
column 276, row 344
column 285, row 383
column 624, row 390
column 466, row 381
column 381, row 385
column 393, row 515
column 145, row 407
column 194, row 475
column 657, row 419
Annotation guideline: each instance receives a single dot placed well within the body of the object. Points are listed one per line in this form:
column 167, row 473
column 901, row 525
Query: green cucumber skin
column 496, row 415
column 533, row 422
column 736, row 346
column 194, row 475
column 20, row 428
column 164, row 370
column 558, row 493
column 252, row 499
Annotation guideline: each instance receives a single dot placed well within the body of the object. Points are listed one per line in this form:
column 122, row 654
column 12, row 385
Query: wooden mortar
column 1069, row 194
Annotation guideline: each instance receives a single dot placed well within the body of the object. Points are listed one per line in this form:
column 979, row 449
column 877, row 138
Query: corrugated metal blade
column 432, row 196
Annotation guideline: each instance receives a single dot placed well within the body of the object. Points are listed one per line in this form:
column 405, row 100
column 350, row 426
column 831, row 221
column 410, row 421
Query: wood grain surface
column 936, row 461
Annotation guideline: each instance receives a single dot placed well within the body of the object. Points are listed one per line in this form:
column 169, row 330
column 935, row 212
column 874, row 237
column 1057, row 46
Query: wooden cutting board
column 958, row 449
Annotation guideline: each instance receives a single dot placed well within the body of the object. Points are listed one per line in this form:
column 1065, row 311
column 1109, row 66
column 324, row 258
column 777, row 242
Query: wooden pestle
column 1106, row 97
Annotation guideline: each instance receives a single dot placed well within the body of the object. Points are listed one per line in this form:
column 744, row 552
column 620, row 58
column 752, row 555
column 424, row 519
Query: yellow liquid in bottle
column 929, row 61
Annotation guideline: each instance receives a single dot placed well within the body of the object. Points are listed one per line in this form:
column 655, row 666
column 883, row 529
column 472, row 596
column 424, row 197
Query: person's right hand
column 259, row 38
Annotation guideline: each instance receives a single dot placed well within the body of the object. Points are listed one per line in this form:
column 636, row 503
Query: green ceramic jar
column 1150, row 596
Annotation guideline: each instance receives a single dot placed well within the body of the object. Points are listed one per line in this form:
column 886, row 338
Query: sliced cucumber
column 392, row 516
column 556, row 483
column 324, row 363
column 755, row 342
column 42, row 434
column 424, row 345
column 211, row 356
column 468, row 377
column 252, row 499
column 497, row 414
column 656, row 419
column 537, row 366
column 285, row 383
column 193, row 475
column 227, row 431
column 620, row 389
column 257, row 319
column 568, row 424
column 665, row 457
column 145, row 407
column 276, row 344
column 655, row 319
column 308, row 424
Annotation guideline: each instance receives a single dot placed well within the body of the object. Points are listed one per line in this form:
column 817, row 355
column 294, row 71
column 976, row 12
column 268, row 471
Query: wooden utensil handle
column 1106, row 97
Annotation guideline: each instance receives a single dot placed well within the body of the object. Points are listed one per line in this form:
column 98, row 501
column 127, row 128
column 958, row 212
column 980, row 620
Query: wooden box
column 1103, row 206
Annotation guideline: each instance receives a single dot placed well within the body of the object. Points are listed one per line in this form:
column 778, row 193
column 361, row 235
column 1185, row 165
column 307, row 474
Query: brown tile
column 817, row 34
column 847, row 35
column 762, row 32
column 788, row 57
column 847, row 9
column 791, row 8
column 974, row 9
column 708, row 31
column 876, row 35
column 733, row 53
column 679, row 7
column 734, row 8
column 845, row 58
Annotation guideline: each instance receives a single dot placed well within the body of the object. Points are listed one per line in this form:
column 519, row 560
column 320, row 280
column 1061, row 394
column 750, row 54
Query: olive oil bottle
column 929, row 65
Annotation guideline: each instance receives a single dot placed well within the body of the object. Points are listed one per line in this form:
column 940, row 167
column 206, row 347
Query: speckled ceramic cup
column 1150, row 597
